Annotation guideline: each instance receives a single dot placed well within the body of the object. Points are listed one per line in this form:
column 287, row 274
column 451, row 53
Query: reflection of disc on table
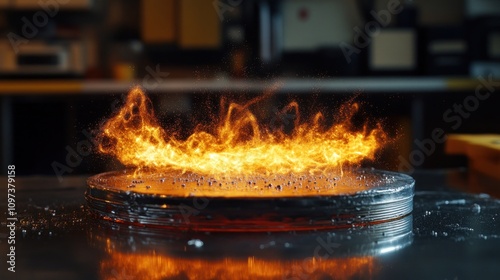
column 370, row 240
column 342, row 253
column 257, row 203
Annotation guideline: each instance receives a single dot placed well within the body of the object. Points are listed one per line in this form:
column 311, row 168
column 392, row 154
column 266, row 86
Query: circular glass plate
column 257, row 203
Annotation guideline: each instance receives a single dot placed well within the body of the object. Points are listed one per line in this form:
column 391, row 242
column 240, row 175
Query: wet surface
column 178, row 184
column 192, row 202
column 450, row 235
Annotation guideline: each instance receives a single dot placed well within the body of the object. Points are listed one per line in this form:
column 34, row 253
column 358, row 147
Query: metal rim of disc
column 392, row 199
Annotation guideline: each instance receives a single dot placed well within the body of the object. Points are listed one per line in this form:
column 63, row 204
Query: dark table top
column 451, row 234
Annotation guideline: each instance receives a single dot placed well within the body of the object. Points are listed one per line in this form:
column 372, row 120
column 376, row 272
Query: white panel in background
column 393, row 49
column 312, row 24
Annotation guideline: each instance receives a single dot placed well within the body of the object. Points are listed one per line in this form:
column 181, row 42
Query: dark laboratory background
column 414, row 65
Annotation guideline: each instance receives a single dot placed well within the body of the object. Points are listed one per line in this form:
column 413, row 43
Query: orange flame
column 239, row 145
column 158, row 266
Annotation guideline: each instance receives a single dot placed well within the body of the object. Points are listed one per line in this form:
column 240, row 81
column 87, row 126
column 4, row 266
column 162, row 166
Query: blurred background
column 421, row 67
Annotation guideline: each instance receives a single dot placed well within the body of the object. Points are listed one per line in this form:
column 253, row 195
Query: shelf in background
column 284, row 85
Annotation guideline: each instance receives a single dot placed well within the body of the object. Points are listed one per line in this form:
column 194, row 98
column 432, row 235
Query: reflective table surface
column 451, row 234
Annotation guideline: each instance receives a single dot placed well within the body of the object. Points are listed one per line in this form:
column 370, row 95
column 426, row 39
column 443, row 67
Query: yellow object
column 40, row 87
column 123, row 72
column 199, row 25
column 483, row 151
column 158, row 21
column 462, row 84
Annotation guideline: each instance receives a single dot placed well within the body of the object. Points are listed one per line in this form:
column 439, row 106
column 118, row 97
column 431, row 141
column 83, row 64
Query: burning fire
column 238, row 144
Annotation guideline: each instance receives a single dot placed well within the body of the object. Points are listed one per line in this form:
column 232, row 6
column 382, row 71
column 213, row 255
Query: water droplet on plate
column 476, row 209
column 196, row 243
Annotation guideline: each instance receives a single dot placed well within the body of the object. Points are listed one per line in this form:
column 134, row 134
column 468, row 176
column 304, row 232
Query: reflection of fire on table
column 156, row 266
